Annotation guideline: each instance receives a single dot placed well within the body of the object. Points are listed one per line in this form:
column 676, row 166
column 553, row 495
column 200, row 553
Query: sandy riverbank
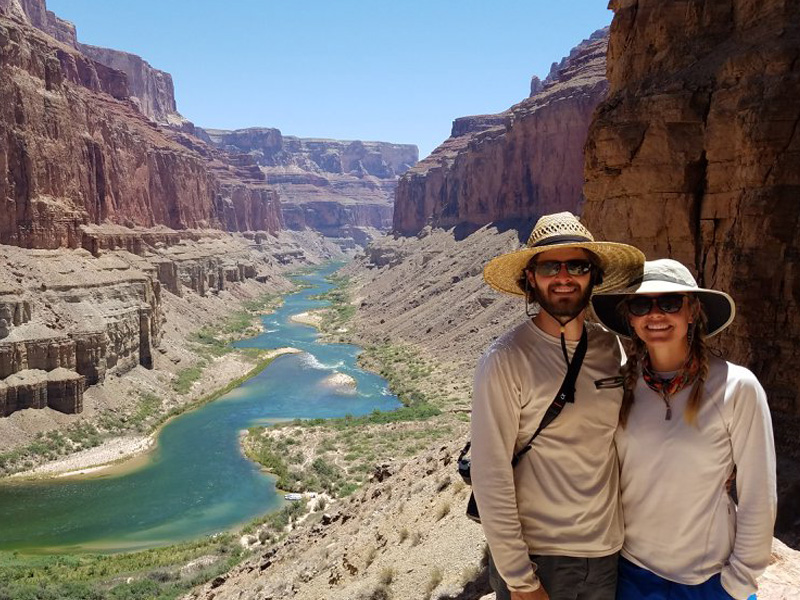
column 120, row 453
column 307, row 318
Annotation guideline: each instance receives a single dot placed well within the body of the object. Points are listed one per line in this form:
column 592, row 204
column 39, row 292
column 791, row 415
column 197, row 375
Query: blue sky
column 396, row 71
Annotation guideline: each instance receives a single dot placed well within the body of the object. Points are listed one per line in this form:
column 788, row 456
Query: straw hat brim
column 719, row 307
column 621, row 264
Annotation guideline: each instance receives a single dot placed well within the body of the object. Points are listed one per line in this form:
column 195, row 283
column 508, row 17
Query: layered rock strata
column 328, row 185
column 59, row 389
column 515, row 165
column 78, row 152
column 151, row 90
column 71, row 318
column 695, row 154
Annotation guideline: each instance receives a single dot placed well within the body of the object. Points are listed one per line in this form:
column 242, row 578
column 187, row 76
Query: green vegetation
column 159, row 573
column 51, row 445
column 214, row 340
column 293, row 473
column 341, row 309
column 187, row 377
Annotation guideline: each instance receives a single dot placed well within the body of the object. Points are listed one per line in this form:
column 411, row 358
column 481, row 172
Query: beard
column 563, row 308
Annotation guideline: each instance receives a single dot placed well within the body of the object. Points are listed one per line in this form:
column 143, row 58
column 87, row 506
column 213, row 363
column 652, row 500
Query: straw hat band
column 562, row 239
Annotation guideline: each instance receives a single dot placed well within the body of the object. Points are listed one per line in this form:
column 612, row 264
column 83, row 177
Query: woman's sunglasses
column 551, row 268
column 639, row 306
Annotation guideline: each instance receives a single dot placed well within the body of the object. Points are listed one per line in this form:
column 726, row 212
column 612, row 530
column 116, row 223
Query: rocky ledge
column 70, row 317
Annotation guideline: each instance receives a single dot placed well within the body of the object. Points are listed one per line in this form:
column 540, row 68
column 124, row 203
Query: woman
column 691, row 425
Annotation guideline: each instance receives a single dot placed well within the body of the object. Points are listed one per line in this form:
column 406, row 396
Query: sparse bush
column 381, row 592
column 442, row 510
column 469, row 574
column 387, row 576
column 403, row 534
column 434, row 580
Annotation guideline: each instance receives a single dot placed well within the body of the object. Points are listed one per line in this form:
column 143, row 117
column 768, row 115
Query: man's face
column 562, row 295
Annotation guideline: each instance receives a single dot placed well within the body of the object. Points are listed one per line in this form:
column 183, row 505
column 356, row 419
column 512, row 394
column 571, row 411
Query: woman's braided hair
column 697, row 347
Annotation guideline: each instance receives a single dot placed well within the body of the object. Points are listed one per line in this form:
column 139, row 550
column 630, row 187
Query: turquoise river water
column 198, row 482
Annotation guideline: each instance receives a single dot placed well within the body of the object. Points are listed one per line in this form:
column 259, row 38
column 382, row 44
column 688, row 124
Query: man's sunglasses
column 551, row 268
column 639, row 306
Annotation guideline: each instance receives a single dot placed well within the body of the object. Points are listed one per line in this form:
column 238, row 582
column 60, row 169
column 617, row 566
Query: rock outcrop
column 332, row 186
column 152, row 88
column 695, row 154
column 515, row 165
column 69, row 318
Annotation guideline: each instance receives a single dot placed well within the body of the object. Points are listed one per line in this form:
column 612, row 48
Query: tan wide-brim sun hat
column 665, row 276
column 620, row 263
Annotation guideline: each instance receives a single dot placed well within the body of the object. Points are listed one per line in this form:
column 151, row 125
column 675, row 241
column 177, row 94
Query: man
column 553, row 521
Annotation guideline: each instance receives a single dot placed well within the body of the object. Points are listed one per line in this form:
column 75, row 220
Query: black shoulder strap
column 565, row 394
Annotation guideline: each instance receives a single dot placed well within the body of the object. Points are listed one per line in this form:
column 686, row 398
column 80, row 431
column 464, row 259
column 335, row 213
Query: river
column 197, row 482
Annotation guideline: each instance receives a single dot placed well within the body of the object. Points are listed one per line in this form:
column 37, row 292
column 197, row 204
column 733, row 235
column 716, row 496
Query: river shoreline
column 124, row 454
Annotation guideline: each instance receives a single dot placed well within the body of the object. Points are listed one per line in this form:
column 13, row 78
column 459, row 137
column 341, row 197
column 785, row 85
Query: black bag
column 565, row 394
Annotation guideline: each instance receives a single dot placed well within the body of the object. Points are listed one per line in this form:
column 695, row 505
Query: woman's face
column 658, row 326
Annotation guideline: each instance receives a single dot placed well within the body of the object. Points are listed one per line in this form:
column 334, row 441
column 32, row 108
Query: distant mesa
column 332, row 186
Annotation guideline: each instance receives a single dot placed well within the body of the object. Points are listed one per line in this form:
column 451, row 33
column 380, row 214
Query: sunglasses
column 639, row 306
column 551, row 268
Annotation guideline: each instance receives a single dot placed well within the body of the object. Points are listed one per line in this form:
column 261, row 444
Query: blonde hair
column 697, row 347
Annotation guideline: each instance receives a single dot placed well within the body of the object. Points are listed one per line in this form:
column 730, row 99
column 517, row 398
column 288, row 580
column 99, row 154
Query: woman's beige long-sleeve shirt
column 680, row 523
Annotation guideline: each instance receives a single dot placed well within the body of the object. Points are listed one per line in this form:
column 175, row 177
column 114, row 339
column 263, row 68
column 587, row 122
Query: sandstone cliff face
column 516, row 165
column 77, row 152
column 695, row 154
column 35, row 12
column 151, row 89
column 328, row 185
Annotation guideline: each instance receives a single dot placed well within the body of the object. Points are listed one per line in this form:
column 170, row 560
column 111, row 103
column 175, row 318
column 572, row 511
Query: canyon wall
column 76, row 151
column 150, row 89
column 695, row 154
column 516, row 165
column 333, row 186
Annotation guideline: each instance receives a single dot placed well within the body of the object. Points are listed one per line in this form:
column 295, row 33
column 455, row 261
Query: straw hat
column 620, row 263
column 660, row 277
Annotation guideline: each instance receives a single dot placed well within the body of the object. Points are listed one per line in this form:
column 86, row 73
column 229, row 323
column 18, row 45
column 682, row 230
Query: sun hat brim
column 719, row 307
column 621, row 263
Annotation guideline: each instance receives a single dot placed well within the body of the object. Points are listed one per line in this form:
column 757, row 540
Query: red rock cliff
column 76, row 151
column 696, row 155
column 521, row 163
column 152, row 89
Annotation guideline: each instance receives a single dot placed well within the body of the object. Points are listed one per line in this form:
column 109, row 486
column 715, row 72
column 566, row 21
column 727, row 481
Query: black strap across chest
column 565, row 394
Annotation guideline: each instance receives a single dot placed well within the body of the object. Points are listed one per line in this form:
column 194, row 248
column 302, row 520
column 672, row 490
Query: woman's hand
column 539, row 594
